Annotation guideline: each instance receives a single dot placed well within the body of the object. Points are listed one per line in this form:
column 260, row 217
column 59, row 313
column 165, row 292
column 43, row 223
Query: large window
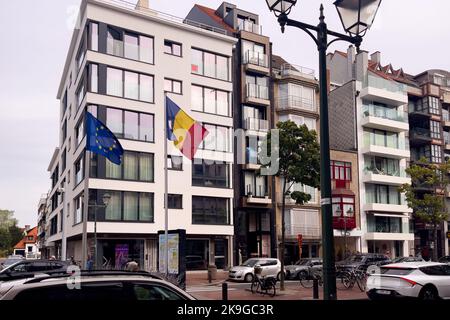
column 255, row 185
column 175, row 201
column 384, row 224
column 209, row 210
column 436, row 153
column 136, row 166
column 130, row 125
column 173, row 86
column 123, row 206
column 343, row 206
column 172, row 48
column 210, row 65
column 210, row 100
column 130, row 85
column 129, row 45
column 252, row 149
column 435, row 129
column 341, row 172
column 206, row 173
column 297, row 97
column 175, row 163
column 218, row 138
column 78, row 206
column 382, row 194
column 79, row 170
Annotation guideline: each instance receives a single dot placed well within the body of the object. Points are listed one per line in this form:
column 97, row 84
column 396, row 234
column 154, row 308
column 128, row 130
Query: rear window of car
column 396, row 271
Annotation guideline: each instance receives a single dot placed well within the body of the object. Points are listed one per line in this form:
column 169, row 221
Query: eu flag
column 101, row 140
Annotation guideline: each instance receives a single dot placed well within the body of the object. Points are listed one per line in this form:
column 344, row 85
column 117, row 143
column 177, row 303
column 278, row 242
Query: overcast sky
column 412, row 34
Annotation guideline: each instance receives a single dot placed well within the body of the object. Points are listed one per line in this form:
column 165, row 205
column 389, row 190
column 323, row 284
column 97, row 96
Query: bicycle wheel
column 362, row 282
column 347, row 281
column 254, row 287
column 271, row 290
column 307, row 282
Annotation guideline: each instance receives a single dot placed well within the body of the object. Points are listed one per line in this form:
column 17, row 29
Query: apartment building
column 42, row 225
column 296, row 98
column 121, row 61
column 254, row 209
column 370, row 109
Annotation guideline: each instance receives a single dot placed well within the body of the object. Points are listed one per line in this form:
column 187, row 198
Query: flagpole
column 166, row 192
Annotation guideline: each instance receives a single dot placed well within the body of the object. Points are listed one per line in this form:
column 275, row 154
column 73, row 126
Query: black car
column 28, row 268
column 362, row 261
column 445, row 259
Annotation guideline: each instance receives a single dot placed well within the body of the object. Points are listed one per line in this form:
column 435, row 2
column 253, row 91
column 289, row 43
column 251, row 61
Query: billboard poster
column 121, row 256
column 173, row 249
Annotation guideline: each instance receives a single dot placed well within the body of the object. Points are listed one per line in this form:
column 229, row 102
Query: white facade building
column 121, row 61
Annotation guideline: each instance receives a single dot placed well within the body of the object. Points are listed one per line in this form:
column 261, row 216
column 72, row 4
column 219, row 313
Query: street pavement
column 199, row 286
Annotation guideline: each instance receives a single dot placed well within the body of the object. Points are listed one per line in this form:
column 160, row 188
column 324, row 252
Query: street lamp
column 357, row 16
column 105, row 199
column 349, row 213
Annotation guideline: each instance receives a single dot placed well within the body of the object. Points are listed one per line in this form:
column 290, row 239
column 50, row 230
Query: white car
column 245, row 272
column 423, row 280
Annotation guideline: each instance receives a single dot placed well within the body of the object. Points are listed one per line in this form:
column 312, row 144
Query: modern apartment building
column 369, row 109
column 42, row 226
column 296, row 98
column 254, row 208
column 121, row 61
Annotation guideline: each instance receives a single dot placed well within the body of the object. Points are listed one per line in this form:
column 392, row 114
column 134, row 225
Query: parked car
column 445, row 259
column 362, row 261
column 399, row 260
column 303, row 267
column 11, row 260
column 423, row 280
column 95, row 286
column 245, row 272
column 28, row 268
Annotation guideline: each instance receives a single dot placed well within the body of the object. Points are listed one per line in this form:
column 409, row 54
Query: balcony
column 257, row 194
column 250, row 27
column 256, row 62
column 385, row 91
column 292, row 71
column 383, row 207
column 445, row 118
column 382, row 118
column 256, row 94
column 391, row 148
column 446, row 97
column 291, row 103
column 386, row 176
column 344, row 223
column 255, row 124
column 420, row 136
column 307, row 231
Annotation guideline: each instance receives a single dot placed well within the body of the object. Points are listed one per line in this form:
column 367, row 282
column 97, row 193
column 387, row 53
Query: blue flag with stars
column 102, row 141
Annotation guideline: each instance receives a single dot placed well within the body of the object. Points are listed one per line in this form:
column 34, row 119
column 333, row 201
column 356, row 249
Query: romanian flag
column 185, row 132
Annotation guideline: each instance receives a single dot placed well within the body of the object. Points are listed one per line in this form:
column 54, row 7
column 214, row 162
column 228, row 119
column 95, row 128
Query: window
column 64, row 131
column 297, row 97
column 173, row 86
column 341, row 172
column 252, row 149
column 383, row 194
column 210, row 211
column 310, row 123
column 218, row 138
column 114, row 42
column 175, row 163
column 384, row 224
column 435, row 129
column 54, row 225
column 64, row 104
column 210, row 64
column 255, row 185
column 130, row 125
column 210, row 100
column 93, row 31
column 257, row 87
column 383, row 166
column 206, row 173
column 79, row 170
column 131, row 46
column 78, row 217
column 129, row 85
column 436, row 154
column 175, row 201
column 343, row 206
column 81, row 53
column 172, row 48
column 79, row 132
column 433, row 104
column 135, row 166
column 63, row 161
column 93, row 83
column 81, row 92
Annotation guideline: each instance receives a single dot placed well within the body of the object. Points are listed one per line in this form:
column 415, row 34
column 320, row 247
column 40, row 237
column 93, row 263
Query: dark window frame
column 170, row 43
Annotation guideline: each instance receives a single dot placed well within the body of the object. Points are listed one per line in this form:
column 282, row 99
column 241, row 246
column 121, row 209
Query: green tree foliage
column 10, row 233
column 426, row 194
column 298, row 162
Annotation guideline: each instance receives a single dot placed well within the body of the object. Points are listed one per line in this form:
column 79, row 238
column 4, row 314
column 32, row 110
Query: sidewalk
column 200, row 278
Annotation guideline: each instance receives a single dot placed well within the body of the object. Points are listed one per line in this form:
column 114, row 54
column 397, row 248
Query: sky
column 412, row 34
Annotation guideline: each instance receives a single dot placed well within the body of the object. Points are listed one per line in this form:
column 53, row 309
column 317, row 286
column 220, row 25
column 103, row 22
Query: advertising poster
column 121, row 256
column 173, row 249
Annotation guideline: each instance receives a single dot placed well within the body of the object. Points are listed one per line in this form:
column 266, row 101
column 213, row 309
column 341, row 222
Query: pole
column 345, row 236
column 95, row 237
column 63, row 222
column 85, row 211
column 329, row 276
column 166, row 193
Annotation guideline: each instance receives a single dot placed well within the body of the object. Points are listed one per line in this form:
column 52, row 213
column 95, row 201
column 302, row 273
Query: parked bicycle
column 263, row 285
column 354, row 276
column 307, row 280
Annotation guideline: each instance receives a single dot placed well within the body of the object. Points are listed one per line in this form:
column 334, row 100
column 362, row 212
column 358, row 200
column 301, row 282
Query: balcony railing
column 371, row 110
column 250, row 27
column 296, row 102
column 256, row 124
column 257, row 91
column 398, row 172
column 385, row 198
column 294, row 70
column 258, row 191
column 445, row 115
column 381, row 83
column 307, row 231
column 420, row 133
column 446, row 137
column 256, row 58
column 388, row 142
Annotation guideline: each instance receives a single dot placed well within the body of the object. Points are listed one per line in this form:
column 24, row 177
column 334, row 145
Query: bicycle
column 358, row 276
column 307, row 280
column 263, row 285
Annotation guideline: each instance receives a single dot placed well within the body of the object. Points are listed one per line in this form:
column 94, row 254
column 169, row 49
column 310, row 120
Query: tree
column 10, row 234
column 298, row 162
column 426, row 194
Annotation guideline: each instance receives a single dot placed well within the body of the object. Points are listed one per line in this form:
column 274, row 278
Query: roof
column 278, row 61
column 413, row 265
column 212, row 14
column 31, row 233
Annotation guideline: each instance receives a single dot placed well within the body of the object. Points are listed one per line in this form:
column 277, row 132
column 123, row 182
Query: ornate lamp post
column 356, row 16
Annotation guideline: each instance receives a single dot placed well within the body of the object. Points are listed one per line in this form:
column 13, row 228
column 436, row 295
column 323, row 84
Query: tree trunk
column 435, row 240
column 283, row 231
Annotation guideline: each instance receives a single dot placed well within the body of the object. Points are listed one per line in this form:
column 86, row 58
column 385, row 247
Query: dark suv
column 362, row 261
column 28, row 268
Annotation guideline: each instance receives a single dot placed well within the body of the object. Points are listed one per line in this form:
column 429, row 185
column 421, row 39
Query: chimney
column 27, row 227
column 142, row 4
column 362, row 63
column 351, row 53
column 376, row 56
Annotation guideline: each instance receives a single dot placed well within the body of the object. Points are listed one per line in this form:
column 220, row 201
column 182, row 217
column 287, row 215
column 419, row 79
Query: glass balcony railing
column 445, row 115
column 371, row 110
column 256, row 58
column 250, row 27
column 257, row 91
column 385, row 141
column 381, row 83
column 387, row 171
column 256, row 124
column 446, row 137
column 385, row 198
column 295, row 70
column 296, row 102
column 258, row 191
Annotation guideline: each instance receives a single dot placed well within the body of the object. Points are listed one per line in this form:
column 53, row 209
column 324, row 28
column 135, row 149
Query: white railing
column 256, row 124
column 256, row 58
column 296, row 102
column 250, row 27
column 307, row 231
column 257, row 91
column 294, row 70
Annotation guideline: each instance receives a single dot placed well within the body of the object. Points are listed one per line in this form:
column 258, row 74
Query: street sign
column 300, row 240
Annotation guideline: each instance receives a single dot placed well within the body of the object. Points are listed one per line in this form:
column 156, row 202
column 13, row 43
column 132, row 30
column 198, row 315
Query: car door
column 445, row 282
column 265, row 265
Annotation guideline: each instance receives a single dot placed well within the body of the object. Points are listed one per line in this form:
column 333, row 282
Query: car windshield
column 9, row 262
column 396, row 271
column 302, row 262
column 250, row 263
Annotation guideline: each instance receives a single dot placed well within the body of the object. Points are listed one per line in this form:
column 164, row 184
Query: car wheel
column 428, row 293
column 302, row 275
column 279, row 276
column 248, row 277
